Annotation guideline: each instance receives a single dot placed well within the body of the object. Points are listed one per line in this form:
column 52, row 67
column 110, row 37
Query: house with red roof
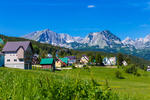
column 18, row 54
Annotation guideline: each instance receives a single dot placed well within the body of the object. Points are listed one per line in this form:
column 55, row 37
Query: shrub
column 119, row 75
column 120, row 66
column 143, row 67
column 73, row 66
column 138, row 74
column 132, row 69
column 85, row 66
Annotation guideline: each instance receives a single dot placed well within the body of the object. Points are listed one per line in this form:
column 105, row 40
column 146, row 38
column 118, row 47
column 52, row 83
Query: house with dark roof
column 18, row 54
column 71, row 59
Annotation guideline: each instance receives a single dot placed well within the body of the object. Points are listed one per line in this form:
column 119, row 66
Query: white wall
column 20, row 66
column 12, row 63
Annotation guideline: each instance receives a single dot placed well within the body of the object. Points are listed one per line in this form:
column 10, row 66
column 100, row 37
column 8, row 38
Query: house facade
column 61, row 62
column 18, row 55
column 124, row 63
column 84, row 59
column 109, row 61
column 47, row 63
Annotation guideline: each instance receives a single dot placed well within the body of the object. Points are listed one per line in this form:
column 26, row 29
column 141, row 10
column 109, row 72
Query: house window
column 21, row 60
column 15, row 60
column 8, row 60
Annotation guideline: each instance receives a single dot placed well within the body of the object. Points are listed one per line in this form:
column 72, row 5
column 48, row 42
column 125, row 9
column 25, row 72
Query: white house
column 124, row 63
column 109, row 61
column 18, row 54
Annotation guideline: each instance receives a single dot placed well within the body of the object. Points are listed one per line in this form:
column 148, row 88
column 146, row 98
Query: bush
column 119, row 75
column 138, row 74
column 85, row 66
column 73, row 66
column 120, row 66
column 143, row 67
column 132, row 69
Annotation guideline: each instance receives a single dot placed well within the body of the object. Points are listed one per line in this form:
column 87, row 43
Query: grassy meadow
column 135, row 87
column 21, row 84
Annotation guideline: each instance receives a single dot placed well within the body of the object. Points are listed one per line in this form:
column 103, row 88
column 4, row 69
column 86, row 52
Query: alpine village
column 35, row 70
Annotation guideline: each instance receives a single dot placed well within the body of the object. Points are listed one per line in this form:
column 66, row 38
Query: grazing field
column 136, row 87
column 73, row 84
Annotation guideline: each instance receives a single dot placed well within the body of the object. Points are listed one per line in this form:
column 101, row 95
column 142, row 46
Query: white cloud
column 91, row 6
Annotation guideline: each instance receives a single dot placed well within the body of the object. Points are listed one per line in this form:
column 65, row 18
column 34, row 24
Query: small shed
column 47, row 63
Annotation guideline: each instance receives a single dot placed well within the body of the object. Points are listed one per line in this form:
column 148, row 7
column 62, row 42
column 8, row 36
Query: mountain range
column 101, row 39
column 97, row 41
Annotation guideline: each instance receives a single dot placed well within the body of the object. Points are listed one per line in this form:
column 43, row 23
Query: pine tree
column 91, row 59
column 98, row 59
column 119, row 59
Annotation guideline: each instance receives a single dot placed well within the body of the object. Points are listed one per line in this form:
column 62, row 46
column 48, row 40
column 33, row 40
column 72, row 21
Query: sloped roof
column 46, row 61
column 71, row 57
column 65, row 60
column 14, row 46
column 85, row 57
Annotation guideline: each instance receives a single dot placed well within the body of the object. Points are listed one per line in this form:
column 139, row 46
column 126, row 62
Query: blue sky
column 76, row 17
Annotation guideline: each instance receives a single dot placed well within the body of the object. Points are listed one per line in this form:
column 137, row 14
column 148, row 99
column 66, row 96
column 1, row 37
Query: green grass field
column 133, row 87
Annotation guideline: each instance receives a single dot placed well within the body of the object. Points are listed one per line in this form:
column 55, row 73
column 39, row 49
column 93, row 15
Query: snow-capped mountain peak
column 147, row 38
column 101, row 39
column 128, row 40
column 138, row 43
column 98, row 39
column 48, row 36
